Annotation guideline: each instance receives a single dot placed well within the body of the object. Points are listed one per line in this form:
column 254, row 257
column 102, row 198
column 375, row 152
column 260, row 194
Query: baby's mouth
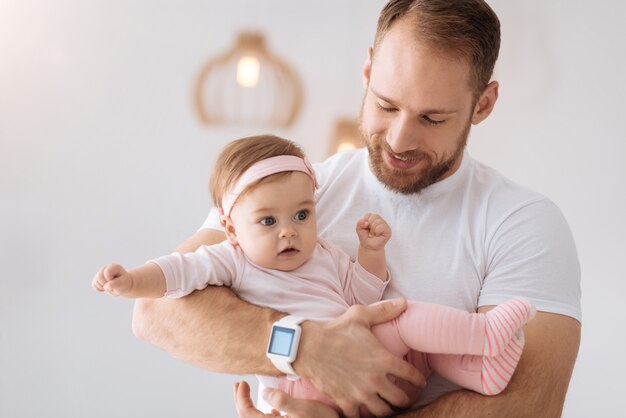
column 289, row 251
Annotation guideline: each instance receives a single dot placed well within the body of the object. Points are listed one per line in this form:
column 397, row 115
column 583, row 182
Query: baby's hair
column 241, row 154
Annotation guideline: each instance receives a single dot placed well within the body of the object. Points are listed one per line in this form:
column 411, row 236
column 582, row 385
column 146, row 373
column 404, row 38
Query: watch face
column 281, row 341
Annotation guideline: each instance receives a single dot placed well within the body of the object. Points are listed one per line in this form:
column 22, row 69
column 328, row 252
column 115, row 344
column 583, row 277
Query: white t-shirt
column 470, row 240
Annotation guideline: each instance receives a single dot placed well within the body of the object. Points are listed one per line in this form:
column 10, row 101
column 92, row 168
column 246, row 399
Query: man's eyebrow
column 380, row 96
column 439, row 112
column 424, row 112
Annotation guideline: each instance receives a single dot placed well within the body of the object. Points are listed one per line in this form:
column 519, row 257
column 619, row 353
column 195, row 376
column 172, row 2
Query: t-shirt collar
column 431, row 191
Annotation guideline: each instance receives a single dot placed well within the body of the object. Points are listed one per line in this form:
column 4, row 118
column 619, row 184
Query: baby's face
column 275, row 223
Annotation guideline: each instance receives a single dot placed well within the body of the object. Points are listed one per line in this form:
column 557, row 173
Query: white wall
column 102, row 159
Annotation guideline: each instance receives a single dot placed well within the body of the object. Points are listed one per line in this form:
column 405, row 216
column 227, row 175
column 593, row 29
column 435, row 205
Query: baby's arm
column 373, row 234
column 146, row 281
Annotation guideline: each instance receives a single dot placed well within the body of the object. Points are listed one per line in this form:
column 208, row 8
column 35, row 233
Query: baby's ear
column 229, row 229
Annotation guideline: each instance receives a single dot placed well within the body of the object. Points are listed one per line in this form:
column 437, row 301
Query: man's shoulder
column 342, row 161
column 341, row 171
column 506, row 205
column 499, row 190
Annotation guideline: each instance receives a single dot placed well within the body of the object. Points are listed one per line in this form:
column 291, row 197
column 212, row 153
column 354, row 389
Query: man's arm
column 216, row 330
column 539, row 384
column 211, row 328
column 202, row 237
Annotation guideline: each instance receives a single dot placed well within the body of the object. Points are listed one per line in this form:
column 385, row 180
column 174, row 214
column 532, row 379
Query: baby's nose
column 288, row 232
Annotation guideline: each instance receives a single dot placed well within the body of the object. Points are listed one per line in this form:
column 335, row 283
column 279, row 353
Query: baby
column 264, row 188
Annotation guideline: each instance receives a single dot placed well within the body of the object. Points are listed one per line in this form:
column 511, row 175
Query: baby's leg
column 426, row 327
column 482, row 374
column 432, row 328
column 504, row 326
column 387, row 334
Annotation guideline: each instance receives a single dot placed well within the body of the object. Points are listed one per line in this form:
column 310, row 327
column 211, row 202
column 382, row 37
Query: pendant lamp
column 248, row 86
column 346, row 135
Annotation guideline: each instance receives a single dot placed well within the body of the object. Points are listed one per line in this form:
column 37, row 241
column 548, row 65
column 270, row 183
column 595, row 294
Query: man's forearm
column 467, row 404
column 517, row 400
column 537, row 402
column 212, row 328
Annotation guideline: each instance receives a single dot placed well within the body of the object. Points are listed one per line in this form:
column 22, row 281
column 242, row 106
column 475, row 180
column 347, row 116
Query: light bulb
column 345, row 146
column 248, row 69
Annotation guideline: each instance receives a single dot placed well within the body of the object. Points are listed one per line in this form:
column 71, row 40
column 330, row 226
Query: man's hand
column 295, row 408
column 350, row 366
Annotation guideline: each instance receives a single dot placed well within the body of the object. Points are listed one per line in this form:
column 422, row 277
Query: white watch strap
column 283, row 365
column 291, row 320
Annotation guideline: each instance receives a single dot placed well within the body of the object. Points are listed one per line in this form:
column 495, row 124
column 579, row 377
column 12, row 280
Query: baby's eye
column 302, row 215
column 269, row 221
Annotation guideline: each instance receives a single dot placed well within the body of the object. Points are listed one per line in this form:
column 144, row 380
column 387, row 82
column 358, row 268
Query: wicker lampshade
column 248, row 85
column 346, row 136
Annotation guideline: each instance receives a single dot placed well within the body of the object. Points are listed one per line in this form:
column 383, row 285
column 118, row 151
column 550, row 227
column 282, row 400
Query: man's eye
column 269, row 221
column 385, row 109
column 302, row 215
column 432, row 121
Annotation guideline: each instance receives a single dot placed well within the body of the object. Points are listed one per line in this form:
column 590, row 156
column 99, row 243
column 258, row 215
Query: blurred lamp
column 248, row 85
column 346, row 136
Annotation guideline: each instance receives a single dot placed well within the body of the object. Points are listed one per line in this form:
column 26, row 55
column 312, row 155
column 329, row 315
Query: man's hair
column 241, row 154
column 468, row 29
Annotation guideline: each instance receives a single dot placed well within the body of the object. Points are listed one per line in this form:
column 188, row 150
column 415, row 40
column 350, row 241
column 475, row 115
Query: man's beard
column 411, row 183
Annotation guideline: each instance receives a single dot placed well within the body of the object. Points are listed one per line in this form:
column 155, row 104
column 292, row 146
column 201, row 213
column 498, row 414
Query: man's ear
column 229, row 229
column 486, row 102
column 367, row 68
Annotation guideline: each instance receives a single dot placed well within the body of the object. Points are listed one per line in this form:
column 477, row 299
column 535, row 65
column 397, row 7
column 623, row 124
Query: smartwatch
column 282, row 347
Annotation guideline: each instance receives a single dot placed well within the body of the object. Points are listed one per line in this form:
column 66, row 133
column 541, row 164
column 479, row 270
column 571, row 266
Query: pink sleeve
column 364, row 287
column 217, row 265
column 359, row 286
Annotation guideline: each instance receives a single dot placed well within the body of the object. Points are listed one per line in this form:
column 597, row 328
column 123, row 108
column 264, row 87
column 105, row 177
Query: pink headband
column 262, row 169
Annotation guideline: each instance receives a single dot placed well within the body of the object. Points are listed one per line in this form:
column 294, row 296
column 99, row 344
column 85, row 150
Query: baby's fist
column 373, row 231
column 113, row 279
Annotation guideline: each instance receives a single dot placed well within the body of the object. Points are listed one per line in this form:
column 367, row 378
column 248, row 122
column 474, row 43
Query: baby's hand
column 113, row 279
column 373, row 231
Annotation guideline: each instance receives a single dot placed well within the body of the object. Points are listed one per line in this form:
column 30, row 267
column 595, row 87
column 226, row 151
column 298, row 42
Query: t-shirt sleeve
column 217, row 265
column 213, row 220
column 532, row 254
column 359, row 285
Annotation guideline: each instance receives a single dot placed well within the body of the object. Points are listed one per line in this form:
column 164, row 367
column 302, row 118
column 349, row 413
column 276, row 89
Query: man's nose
column 403, row 134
